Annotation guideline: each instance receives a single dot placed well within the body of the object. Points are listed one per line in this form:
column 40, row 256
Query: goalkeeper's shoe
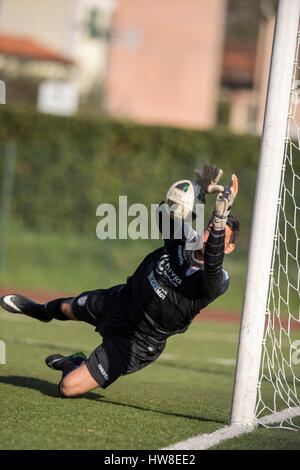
column 60, row 362
column 17, row 304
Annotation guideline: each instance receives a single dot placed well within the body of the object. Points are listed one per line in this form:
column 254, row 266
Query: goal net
column 267, row 378
column 279, row 379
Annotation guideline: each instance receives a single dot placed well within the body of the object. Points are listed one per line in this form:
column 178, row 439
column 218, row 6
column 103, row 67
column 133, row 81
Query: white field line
column 201, row 442
column 214, row 336
column 86, row 347
column 199, row 335
column 211, row 360
column 45, row 344
column 221, row 361
column 287, row 413
column 18, row 317
column 205, row 441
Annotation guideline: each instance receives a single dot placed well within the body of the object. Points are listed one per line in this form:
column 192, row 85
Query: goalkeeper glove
column 208, row 180
column 224, row 203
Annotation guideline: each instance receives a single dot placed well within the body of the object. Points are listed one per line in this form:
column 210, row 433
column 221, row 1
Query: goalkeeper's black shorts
column 123, row 350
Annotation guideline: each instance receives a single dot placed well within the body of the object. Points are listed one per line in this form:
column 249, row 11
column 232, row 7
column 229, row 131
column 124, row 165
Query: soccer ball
column 181, row 198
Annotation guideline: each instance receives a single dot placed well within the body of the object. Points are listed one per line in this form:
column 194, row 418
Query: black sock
column 70, row 365
column 52, row 309
column 35, row 310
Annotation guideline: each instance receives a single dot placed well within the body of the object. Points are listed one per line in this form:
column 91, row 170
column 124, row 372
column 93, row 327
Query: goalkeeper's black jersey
column 166, row 292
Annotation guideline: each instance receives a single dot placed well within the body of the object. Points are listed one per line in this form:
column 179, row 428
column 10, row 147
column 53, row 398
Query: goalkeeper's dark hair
column 234, row 224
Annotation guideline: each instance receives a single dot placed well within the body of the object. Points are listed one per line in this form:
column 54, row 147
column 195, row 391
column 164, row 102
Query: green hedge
column 66, row 167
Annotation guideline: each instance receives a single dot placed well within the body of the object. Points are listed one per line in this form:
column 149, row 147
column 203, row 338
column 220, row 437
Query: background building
column 165, row 61
column 246, row 59
column 75, row 30
column 190, row 63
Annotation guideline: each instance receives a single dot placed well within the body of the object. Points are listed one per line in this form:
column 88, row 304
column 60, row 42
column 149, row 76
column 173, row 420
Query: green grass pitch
column 187, row 392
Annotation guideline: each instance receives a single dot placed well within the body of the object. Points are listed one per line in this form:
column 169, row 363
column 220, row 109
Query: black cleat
column 17, row 304
column 60, row 362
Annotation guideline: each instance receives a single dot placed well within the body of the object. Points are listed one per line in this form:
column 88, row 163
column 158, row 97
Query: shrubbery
column 66, row 167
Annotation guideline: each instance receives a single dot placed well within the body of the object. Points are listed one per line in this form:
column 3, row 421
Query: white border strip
column 2, row 92
column 205, row 441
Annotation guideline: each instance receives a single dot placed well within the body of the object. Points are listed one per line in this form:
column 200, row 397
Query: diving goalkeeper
column 160, row 299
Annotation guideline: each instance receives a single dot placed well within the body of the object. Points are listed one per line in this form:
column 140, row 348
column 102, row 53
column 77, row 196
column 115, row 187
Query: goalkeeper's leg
column 76, row 378
column 60, row 309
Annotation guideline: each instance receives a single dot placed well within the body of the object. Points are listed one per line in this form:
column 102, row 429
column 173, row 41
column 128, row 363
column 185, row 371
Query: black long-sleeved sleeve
column 213, row 260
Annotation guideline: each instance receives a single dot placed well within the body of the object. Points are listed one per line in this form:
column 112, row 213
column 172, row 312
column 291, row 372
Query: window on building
column 94, row 23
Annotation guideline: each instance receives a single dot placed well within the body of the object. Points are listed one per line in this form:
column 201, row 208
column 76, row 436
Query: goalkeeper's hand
column 224, row 203
column 208, row 179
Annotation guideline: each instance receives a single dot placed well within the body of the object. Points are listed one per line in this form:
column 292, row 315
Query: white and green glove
column 224, row 203
column 208, row 180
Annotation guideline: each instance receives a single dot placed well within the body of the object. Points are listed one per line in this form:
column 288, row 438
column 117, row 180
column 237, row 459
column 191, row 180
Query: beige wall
column 60, row 26
column 240, row 104
column 90, row 54
column 42, row 20
column 165, row 61
column 263, row 59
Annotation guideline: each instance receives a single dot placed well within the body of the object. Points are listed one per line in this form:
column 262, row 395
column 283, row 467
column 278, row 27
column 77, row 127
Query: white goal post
column 265, row 213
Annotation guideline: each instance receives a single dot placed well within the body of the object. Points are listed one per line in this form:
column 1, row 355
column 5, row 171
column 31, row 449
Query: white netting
column 279, row 383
